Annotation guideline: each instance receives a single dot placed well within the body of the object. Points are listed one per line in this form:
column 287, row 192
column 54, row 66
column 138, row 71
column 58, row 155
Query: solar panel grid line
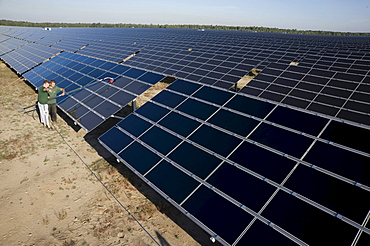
column 352, row 93
column 283, row 99
column 366, row 220
column 283, row 188
column 80, row 103
column 278, row 229
column 272, row 95
column 153, row 150
column 344, row 147
column 216, row 127
column 94, row 107
column 340, row 110
column 65, row 78
column 106, row 99
column 14, row 43
column 44, row 48
column 32, row 63
column 288, row 129
column 336, row 176
column 76, row 71
column 53, row 63
column 161, row 192
column 165, row 66
column 137, row 138
column 205, row 183
column 3, row 37
column 345, row 120
column 267, row 222
column 183, row 138
column 259, row 217
column 13, row 59
column 10, row 47
column 318, row 138
column 357, row 110
column 62, row 61
column 73, row 44
column 121, row 89
column 320, row 94
column 337, row 89
column 333, row 213
column 250, row 116
column 330, row 173
column 356, row 99
column 77, row 121
column 111, row 54
column 118, row 158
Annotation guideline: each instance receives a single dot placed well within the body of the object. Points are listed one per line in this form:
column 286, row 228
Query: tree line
column 209, row 27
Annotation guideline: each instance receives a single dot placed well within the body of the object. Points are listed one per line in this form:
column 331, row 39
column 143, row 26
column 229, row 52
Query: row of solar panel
column 331, row 93
column 10, row 44
column 28, row 56
column 187, row 34
column 300, row 96
column 259, row 54
column 212, row 73
column 215, row 137
column 205, row 74
column 93, row 99
column 241, row 51
column 238, row 38
column 235, row 142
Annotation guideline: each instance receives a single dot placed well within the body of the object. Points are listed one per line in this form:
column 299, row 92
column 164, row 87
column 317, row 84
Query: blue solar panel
column 28, row 56
column 10, row 44
column 287, row 212
column 272, row 163
column 96, row 97
column 243, row 142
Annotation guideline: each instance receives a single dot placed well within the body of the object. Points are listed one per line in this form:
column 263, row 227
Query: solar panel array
column 281, row 161
column 9, row 44
column 28, row 56
column 93, row 99
column 344, row 94
column 249, row 170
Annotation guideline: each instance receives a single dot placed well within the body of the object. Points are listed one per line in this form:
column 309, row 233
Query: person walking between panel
column 42, row 103
column 52, row 103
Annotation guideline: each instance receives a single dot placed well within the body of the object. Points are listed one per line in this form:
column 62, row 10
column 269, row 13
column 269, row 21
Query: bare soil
column 62, row 187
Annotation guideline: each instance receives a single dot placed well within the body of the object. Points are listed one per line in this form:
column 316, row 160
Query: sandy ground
column 62, row 188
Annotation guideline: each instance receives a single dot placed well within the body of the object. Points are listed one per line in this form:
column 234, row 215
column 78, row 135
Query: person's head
column 46, row 83
column 52, row 83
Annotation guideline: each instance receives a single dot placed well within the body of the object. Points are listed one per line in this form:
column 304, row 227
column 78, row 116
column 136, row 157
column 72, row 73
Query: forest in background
column 206, row 27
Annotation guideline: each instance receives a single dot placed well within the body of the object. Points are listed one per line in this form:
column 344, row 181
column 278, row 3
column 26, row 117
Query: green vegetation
column 214, row 27
column 16, row 147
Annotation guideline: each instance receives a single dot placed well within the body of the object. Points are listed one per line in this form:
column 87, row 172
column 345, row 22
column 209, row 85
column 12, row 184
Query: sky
column 326, row 15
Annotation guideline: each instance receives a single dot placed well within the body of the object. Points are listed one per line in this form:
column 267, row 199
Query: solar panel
column 272, row 163
column 325, row 92
column 10, row 44
column 28, row 56
column 265, row 145
column 90, row 99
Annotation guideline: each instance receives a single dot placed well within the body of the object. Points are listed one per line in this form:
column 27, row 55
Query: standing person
column 42, row 103
column 52, row 99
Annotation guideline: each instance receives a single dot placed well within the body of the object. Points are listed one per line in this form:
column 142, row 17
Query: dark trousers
column 53, row 111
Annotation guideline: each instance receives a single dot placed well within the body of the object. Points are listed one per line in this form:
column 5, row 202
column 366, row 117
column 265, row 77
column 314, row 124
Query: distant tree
column 183, row 26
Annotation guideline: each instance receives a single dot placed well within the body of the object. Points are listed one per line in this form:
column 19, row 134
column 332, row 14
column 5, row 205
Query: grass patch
column 61, row 215
column 16, row 147
column 102, row 165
